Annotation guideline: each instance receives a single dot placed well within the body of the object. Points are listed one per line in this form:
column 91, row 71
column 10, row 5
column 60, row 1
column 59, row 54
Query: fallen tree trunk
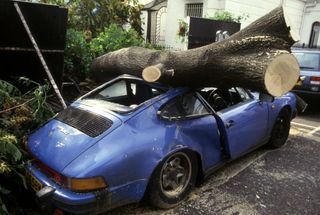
column 257, row 57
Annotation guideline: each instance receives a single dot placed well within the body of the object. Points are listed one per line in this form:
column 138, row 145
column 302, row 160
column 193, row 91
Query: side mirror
column 263, row 97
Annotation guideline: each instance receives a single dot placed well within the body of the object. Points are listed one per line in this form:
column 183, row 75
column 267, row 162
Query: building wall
column 256, row 9
column 311, row 15
column 144, row 23
column 175, row 11
column 210, row 7
column 300, row 17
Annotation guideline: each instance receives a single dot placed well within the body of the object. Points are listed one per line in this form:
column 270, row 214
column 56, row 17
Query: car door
column 246, row 124
column 193, row 125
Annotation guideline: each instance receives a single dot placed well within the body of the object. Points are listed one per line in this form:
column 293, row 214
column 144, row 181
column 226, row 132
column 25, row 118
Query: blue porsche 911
column 129, row 140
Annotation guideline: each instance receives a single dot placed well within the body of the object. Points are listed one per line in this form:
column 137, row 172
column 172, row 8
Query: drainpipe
column 306, row 6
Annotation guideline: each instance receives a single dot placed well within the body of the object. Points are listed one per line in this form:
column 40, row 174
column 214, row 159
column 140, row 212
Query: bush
column 19, row 115
column 77, row 57
column 114, row 38
column 81, row 49
column 229, row 17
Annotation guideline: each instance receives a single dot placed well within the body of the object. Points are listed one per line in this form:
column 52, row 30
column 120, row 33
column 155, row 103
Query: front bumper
column 306, row 92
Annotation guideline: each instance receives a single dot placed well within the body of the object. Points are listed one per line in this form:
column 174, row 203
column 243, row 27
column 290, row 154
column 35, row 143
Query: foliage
column 229, row 17
column 183, row 30
column 77, row 57
column 81, row 50
column 95, row 15
column 114, row 38
column 19, row 114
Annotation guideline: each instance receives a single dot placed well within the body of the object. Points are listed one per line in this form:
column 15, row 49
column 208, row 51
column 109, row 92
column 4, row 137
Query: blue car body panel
column 127, row 154
column 57, row 144
column 242, row 115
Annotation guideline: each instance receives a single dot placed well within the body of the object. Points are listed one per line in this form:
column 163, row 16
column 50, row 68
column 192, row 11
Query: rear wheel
column 173, row 180
column 280, row 130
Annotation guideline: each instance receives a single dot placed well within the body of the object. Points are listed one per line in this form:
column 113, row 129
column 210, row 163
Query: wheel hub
column 175, row 175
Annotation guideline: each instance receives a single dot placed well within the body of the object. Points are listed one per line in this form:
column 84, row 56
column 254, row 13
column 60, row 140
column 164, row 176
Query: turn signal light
column 315, row 80
column 86, row 184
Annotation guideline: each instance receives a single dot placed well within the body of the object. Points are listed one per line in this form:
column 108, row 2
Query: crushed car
column 129, row 140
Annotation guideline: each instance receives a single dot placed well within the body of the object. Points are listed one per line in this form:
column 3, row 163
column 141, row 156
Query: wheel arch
column 288, row 108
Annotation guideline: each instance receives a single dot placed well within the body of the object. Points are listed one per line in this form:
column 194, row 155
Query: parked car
column 128, row 140
column 309, row 60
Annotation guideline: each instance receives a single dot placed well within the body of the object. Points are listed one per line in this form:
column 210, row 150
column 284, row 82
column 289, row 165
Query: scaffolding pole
column 44, row 64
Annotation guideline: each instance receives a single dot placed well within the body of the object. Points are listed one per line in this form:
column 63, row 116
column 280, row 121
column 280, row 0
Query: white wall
column 312, row 14
column 256, row 9
column 212, row 6
column 175, row 11
column 144, row 23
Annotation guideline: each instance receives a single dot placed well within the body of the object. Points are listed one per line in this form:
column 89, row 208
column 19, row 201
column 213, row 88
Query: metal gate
column 203, row 31
column 17, row 54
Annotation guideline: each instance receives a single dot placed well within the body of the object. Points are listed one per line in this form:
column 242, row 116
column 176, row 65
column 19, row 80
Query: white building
column 161, row 17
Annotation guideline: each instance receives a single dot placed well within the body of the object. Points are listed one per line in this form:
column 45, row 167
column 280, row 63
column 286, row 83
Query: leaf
column 4, row 209
column 11, row 150
column 4, row 190
column 9, row 88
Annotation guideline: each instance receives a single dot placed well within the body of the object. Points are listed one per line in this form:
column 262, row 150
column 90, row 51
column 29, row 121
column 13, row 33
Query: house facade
column 161, row 17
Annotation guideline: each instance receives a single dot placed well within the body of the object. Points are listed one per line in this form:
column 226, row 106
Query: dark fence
column 203, row 31
column 17, row 55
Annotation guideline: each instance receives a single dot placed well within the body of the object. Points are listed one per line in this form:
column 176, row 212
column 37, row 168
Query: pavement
column 282, row 181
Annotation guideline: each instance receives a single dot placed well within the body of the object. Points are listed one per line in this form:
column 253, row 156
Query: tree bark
column 257, row 58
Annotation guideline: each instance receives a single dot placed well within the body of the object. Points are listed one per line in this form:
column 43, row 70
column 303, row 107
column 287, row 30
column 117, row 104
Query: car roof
column 132, row 77
column 306, row 50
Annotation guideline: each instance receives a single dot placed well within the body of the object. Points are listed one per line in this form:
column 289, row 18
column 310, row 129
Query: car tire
column 173, row 180
column 280, row 130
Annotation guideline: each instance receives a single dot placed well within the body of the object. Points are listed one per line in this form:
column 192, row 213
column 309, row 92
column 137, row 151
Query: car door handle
column 229, row 124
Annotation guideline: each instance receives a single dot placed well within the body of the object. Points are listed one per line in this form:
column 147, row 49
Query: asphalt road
column 282, row 181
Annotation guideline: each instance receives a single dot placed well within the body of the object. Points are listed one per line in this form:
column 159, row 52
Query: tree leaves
column 8, row 147
column 95, row 15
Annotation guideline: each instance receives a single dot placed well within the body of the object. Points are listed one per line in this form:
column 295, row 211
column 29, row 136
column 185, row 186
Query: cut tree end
column 282, row 74
column 151, row 73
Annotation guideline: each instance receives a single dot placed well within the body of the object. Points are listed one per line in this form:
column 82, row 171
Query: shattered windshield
column 123, row 95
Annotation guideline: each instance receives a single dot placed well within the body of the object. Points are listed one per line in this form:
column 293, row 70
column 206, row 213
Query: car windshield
column 308, row 61
column 123, row 95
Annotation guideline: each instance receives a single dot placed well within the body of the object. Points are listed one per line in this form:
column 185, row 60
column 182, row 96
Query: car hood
column 61, row 140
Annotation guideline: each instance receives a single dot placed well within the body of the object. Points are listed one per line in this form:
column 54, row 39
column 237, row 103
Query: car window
column 244, row 95
column 308, row 61
column 133, row 88
column 221, row 98
column 115, row 90
column 124, row 94
column 187, row 105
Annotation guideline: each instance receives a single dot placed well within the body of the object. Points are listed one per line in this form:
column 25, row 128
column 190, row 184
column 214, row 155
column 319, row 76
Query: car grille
column 89, row 123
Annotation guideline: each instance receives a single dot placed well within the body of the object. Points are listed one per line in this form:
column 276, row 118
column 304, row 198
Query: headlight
column 86, row 184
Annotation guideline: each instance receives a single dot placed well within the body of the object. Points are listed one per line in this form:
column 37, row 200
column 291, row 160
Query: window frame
column 314, row 36
column 187, row 5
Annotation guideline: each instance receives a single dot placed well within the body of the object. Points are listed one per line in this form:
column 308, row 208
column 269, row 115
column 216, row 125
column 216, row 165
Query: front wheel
column 173, row 180
column 280, row 130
